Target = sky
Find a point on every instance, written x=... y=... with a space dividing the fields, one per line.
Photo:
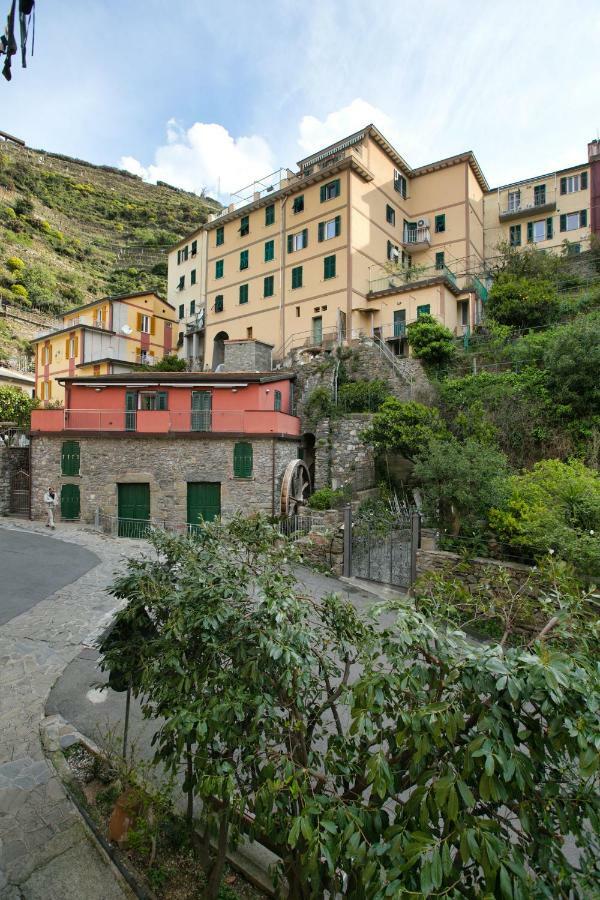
x=212 y=95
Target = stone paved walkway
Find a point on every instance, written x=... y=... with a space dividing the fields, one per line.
x=45 y=853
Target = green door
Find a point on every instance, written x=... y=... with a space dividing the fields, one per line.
x=203 y=501
x=399 y=323
x=201 y=410
x=130 y=410
x=69 y=501
x=317 y=330
x=134 y=509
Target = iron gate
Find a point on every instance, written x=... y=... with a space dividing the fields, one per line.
x=384 y=553
x=18 y=503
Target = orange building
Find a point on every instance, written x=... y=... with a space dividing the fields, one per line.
x=107 y=336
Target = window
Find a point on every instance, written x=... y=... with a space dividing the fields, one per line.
x=330 y=190
x=514 y=235
x=400 y=183
x=329 y=267
x=390 y=214
x=219 y=268
x=298 y=241
x=182 y=254
x=181 y=310
x=194 y=247
x=270 y=214
x=220 y=236
x=269 y=286
x=269 y=250
x=71 y=347
x=277 y=401
x=69 y=458
x=298 y=204
x=539 y=231
x=571 y=183
x=249 y=333
x=440 y=223
x=153 y=400
x=330 y=229
x=297 y=277
x=406 y=259
x=46 y=390
x=192 y=307
x=244 y=226
x=539 y=194
x=244 y=259
x=424 y=310
x=574 y=220
x=145 y=324
x=514 y=201
x=243 y=293
x=393 y=252
x=242 y=460
x=297 y=312
x=193 y=276
x=439 y=260
x=181 y=284
x=219 y=303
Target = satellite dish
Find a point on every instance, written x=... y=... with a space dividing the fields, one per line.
x=126 y=329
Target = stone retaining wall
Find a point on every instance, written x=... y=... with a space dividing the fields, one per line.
x=11 y=460
x=445 y=563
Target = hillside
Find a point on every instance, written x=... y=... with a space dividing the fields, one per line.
x=71 y=231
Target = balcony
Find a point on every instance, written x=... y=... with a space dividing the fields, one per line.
x=529 y=200
x=74 y=322
x=414 y=276
x=164 y=421
x=418 y=238
x=195 y=323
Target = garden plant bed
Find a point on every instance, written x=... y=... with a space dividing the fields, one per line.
x=158 y=852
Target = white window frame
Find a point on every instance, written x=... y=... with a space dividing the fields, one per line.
x=400 y=178
x=298 y=241
x=541 y=223
x=329 y=226
x=514 y=200
x=145 y=324
x=71 y=348
x=576 y=218
x=572 y=184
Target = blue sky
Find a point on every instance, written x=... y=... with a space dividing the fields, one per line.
x=203 y=94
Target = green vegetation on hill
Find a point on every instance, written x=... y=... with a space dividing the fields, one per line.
x=71 y=231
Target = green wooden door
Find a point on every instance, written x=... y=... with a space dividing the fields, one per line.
x=134 y=509
x=69 y=501
x=317 y=330
x=399 y=323
x=203 y=501
x=201 y=410
x=130 y=410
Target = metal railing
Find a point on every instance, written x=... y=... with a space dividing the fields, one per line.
x=419 y=235
x=295 y=527
x=292 y=527
x=329 y=337
x=410 y=276
x=74 y=322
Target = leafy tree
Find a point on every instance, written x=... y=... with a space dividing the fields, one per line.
x=572 y=365
x=41 y=286
x=554 y=508
x=405 y=428
x=362 y=396
x=169 y=363
x=376 y=761
x=16 y=406
x=460 y=482
x=430 y=340
x=522 y=302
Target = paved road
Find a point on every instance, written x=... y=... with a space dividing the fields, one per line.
x=33 y=567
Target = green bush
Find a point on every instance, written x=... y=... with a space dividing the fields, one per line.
x=362 y=396
x=405 y=428
x=15 y=264
x=319 y=405
x=430 y=340
x=19 y=290
x=522 y=302
x=327 y=498
x=16 y=406
x=41 y=285
x=554 y=508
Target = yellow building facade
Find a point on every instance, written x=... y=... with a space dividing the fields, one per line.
x=106 y=336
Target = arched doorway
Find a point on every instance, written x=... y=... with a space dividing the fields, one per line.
x=219 y=349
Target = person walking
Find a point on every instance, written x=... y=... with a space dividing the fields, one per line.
x=50 y=499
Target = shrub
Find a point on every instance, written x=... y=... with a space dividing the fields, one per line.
x=405 y=428
x=554 y=508
x=522 y=302
x=24 y=206
x=319 y=405
x=19 y=290
x=15 y=264
x=572 y=364
x=16 y=406
x=327 y=498
x=362 y=396
x=430 y=340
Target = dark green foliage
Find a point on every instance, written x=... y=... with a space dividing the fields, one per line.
x=430 y=340
x=319 y=405
x=405 y=428
x=572 y=366
x=16 y=406
x=362 y=396
x=522 y=302
x=169 y=363
x=327 y=498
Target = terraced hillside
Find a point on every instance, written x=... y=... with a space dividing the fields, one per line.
x=71 y=231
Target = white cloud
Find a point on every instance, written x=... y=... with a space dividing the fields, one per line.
x=205 y=156
x=316 y=133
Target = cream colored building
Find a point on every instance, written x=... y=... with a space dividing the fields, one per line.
x=355 y=241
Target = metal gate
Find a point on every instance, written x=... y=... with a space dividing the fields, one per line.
x=383 y=553
x=18 y=504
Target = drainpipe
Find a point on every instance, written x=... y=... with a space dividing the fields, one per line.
x=282 y=274
x=273 y=477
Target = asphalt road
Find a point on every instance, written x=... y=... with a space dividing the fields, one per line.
x=34 y=566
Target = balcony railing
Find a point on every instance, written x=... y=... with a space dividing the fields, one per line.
x=415 y=236
x=529 y=201
x=195 y=323
x=410 y=276
x=73 y=322
x=143 y=421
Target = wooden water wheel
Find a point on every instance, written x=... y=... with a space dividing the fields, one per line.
x=295 y=488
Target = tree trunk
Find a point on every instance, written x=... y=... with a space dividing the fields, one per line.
x=190 y=790
x=216 y=872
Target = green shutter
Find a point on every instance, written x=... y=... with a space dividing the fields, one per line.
x=329 y=267
x=549 y=230
x=583 y=218
x=161 y=400
x=583 y=180
x=270 y=215
x=323 y=193
x=268 y=286
x=321 y=231
x=305 y=237
x=243 y=293
x=242 y=460
x=244 y=259
x=297 y=277
x=337 y=189
x=290 y=243
x=424 y=310
x=269 y=251
x=220 y=236
x=69 y=501
x=439 y=260
x=529 y=232
x=219 y=303
x=338 y=225
x=277 y=401
x=181 y=310
x=563 y=221
x=219 y=268
x=192 y=307
x=563 y=185
x=389 y=249
x=70 y=458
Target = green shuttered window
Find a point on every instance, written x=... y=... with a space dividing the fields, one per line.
x=330 y=190
x=242 y=460
x=329 y=267
x=69 y=460
x=270 y=214
x=220 y=236
x=269 y=251
x=269 y=286
x=277 y=401
x=243 y=293
x=297 y=277
x=244 y=225
x=244 y=259
x=219 y=268
x=219 y=303
x=440 y=223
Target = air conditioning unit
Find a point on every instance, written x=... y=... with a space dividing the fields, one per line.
x=423 y=223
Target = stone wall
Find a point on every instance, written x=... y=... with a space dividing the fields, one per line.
x=166 y=464
x=247 y=356
x=27 y=323
x=352 y=461
x=444 y=563
x=12 y=459
x=410 y=381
